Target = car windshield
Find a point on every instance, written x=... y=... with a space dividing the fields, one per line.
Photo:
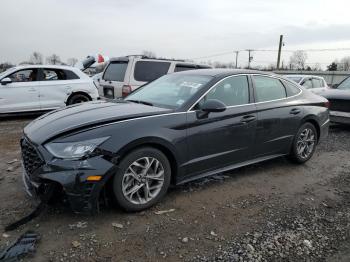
x=169 y=91
x=294 y=78
x=345 y=85
x=7 y=72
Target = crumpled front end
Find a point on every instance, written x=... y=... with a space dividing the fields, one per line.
x=41 y=170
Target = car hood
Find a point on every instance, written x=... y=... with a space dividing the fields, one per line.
x=335 y=94
x=85 y=115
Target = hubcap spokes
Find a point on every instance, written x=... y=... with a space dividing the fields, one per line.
x=143 y=180
x=306 y=142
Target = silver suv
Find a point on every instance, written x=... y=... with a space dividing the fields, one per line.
x=125 y=74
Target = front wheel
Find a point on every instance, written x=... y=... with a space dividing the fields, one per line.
x=142 y=180
x=304 y=144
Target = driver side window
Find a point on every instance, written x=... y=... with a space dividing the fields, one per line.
x=25 y=75
x=231 y=91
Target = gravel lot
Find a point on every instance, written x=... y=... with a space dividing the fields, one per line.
x=272 y=211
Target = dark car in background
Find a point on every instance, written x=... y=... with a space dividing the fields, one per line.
x=339 y=99
x=180 y=127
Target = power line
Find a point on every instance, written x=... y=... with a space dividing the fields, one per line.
x=275 y=50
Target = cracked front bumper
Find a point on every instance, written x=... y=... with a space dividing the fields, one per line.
x=71 y=175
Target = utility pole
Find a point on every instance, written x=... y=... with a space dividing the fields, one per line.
x=250 y=58
x=236 y=58
x=279 y=52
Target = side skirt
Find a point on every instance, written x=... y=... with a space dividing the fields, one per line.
x=230 y=167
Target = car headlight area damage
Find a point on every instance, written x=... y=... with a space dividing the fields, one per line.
x=77 y=169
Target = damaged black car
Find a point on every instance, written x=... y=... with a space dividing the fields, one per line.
x=180 y=127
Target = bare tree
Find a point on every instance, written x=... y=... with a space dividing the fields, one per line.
x=36 y=58
x=298 y=59
x=72 y=61
x=149 y=54
x=344 y=64
x=53 y=60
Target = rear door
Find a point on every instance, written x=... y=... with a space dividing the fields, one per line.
x=144 y=71
x=278 y=116
x=114 y=77
x=222 y=139
x=55 y=86
x=22 y=94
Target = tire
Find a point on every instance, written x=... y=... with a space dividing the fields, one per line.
x=131 y=175
x=78 y=98
x=306 y=138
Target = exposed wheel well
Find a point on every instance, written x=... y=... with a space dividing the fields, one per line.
x=165 y=151
x=78 y=93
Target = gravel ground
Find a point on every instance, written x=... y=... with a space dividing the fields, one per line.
x=272 y=211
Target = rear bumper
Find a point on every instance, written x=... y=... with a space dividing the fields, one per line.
x=339 y=117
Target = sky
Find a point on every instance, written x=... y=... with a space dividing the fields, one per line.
x=183 y=29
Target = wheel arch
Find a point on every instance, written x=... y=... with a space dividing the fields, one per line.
x=77 y=93
x=162 y=145
x=313 y=120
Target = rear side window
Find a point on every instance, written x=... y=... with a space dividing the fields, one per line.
x=58 y=74
x=115 y=71
x=232 y=91
x=268 y=88
x=317 y=83
x=146 y=71
x=291 y=89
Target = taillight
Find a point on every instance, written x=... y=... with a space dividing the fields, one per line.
x=327 y=104
x=126 y=90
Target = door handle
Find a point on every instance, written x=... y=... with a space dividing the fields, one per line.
x=295 y=111
x=247 y=119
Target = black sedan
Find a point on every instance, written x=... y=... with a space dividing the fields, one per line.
x=180 y=127
x=339 y=99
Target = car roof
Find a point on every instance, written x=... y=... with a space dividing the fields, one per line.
x=303 y=76
x=218 y=72
x=46 y=66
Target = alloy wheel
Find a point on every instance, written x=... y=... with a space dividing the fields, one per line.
x=143 y=180
x=306 y=143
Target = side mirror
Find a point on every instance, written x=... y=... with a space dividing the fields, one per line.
x=6 y=81
x=213 y=105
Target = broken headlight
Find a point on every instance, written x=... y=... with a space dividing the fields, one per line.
x=74 y=150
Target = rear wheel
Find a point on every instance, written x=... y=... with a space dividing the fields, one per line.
x=304 y=144
x=142 y=179
x=77 y=99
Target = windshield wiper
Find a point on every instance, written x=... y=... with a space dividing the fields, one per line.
x=141 y=102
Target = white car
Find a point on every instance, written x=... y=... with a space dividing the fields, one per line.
x=313 y=83
x=44 y=87
x=125 y=74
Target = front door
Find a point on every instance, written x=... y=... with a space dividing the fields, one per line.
x=22 y=94
x=221 y=139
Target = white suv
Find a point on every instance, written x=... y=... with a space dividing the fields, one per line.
x=44 y=87
x=125 y=74
x=314 y=83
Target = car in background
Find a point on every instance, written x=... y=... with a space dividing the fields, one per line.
x=34 y=88
x=313 y=83
x=339 y=99
x=180 y=127
x=123 y=75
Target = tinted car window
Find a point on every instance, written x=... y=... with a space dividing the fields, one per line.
x=231 y=91
x=170 y=91
x=291 y=88
x=115 y=71
x=25 y=75
x=317 y=83
x=146 y=71
x=307 y=84
x=179 y=68
x=345 y=84
x=268 y=88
